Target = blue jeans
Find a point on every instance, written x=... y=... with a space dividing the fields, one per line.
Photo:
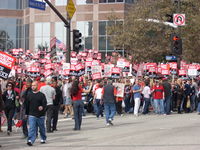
x=34 y=123
x=159 y=106
x=198 y=107
x=167 y=105
x=78 y=107
x=98 y=108
x=110 y=110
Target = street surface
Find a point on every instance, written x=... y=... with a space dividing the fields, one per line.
x=149 y=132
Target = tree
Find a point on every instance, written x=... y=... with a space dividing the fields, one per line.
x=150 y=41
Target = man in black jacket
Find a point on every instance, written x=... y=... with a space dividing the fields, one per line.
x=35 y=108
x=56 y=103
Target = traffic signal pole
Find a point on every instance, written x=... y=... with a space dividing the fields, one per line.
x=68 y=41
x=179 y=32
x=67 y=25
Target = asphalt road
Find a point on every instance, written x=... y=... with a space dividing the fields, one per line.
x=149 y=132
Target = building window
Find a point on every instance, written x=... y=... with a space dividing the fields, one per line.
x=42 y=34
x=11 y=33
x=26 y=26
x=104 y=37
x=111 y=1
x=86 y=29
x=11 y=4
x=60 y=31
x=60 y=2
x=130 y=1
x=84 y=2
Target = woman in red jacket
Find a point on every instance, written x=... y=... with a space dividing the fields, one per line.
x=76 y=93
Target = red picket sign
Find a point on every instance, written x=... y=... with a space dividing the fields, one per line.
x=6 y=60
x=116 y=70
x=173 y=65
x=152 y=69
x=96 y=76
x=182 y=72
x=165 y=72
x=79 y=66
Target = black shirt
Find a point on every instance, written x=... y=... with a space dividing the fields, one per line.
x=167 y=89
x=34 y=100
x=58 y=98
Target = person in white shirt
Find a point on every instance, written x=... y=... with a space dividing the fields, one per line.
x=147 y=94
x=50 y=94
x=98 y=101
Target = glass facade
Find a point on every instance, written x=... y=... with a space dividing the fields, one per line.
x=84 y=2
x=117 y=1
x=11 y=33
x=42 y=34
x=104 y=37
x=60 y=2
x=11 y=4
x=86 y=29
x=60 y=31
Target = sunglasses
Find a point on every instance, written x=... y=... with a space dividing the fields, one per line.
x=9 y=85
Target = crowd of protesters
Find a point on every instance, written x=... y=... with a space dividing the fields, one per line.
x=32 y=101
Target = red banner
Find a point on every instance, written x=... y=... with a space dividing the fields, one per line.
x=96 y=76
x=6 y=60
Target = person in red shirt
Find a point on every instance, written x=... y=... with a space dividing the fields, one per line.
x=76 y=93
x=158 y=97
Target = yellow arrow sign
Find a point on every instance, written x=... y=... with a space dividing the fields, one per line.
x=70 y=8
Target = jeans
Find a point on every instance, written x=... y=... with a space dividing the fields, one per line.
x=159 y=106
x=167 y=105
x=34 y=123
x=193 y=102
x=146 y=105
x=24 y=127
x=98 y=108
x=110 y=110
x=55 y=116
x=50 y=114
x=137 y=105
x=78 y=111
x=9 y=112
x=198 y=107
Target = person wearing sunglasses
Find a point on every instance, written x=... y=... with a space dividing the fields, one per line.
x=9 y=97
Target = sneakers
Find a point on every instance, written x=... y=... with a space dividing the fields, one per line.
x=107 y=124
x=29 y=143
x=8 y=133
x=110 y=121
x=42 y=141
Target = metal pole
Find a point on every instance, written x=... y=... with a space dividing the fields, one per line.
x=179 y=32
x=57 y=13
x=68 y=42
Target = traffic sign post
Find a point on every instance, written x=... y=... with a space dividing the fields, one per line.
x=37 y=5
x=70 y=9
x=179 y=19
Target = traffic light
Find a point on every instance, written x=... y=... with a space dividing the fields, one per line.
x=176 y=44
x=77 y=40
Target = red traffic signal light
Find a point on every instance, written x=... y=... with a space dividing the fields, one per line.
x=175 y=38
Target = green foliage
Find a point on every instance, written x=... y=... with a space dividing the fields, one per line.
x=149 y=41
